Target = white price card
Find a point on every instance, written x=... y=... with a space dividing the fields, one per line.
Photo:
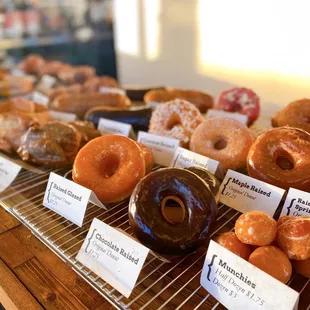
x=62 y=116
x=40 y=98
x=239 y=117
x=297 y=203
x=244 y=193
x=185 y=158
x=47 y=81
x=112 y=90
x=163 y=148
x=107 y=126
x=115 y=257
x=8 y=173
x=237 y=284
x=68 y=198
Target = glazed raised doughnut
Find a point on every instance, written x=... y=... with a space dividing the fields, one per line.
x=148 y=157
x=281 y=157
x=172 y=211
x=175 y=119
x=230 y=241
x=201 y=100
x=110 y=166
x=273 y=261
x=223 y=139
x=283 y=219
x=256 y=228
x=303 y=267
x=241 y=100
x=293 y=238
x=296 y=114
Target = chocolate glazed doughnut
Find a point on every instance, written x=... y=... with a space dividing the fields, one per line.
x=172 y=211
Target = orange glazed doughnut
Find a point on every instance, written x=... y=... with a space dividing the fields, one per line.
x=283 y=219
x=296 y=114
x=293 y=238
x=223 y=139
x=148 y=157
x=175 y=119
x=110 y=166
x=281 y=157
x=256 y=228
x=230 y=241
x=303 y=267
x=273 y=261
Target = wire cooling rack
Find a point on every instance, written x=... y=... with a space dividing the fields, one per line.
x=161 y=285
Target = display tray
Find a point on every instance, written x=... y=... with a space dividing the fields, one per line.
x=161 y=285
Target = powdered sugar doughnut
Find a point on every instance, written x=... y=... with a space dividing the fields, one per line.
x=293 y=238
x=241 y=100
x=256 y=228
x=176 y=119
x=223 y=139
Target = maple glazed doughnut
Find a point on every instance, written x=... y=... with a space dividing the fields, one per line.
x=110 y=166
x=172 y=211
x=280 y=157
x=223 y=139
x=175 y=119
x=296 y=114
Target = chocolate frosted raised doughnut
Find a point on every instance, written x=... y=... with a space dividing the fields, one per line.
x=110 y=166
x=175 y=119
x=223 y=139
x=296 y=114
x=281 y=157
x=172 y=211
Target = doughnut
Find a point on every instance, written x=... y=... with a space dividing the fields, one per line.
x=241 y=100
x=32 y=64
x=273 y=261
x=296 y=114
x=223 y=139
x=283 y=219
x=175 y=119
x=303 y=267
x=201 y=100
x=280 y=157
x=293 y=237
x=230 y=241
x=148 y=157
x=208 y=177
x=256 y=228
x=110 y=166
x=172 y=211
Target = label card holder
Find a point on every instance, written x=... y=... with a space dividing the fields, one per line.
x=8 y=173
x=163 y=148
x=237 y=284
x=107 y=126
x=297 y=203
x=244 y=193
x=68 y=198
x=239 y=117
x=184 y=158
x=115 y=257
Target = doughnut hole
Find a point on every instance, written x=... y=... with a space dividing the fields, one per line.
x=109 y=165
x=284 y=160
x=173 y=210
x=173 y=121
x=220 y=144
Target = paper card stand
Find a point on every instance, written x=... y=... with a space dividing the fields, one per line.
x=107 y=126
x=8 y=173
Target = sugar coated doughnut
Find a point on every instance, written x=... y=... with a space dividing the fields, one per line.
x=293 y=238
x=281 y=157
x=273 y=261
x=303 y=267
x=175 y=119
x=296 y=114
x=148 y=157
x=110 y=166
x=283 y=219
x=241 y=100
x=256 y=228
x=230 y=241
x=172 y=211
x=223 y=139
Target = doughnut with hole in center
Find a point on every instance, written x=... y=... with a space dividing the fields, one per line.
x=280 y=157
x=172 y=211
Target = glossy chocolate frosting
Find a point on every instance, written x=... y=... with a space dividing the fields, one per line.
x=148 y=222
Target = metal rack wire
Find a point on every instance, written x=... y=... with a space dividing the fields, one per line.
x=161 y=285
